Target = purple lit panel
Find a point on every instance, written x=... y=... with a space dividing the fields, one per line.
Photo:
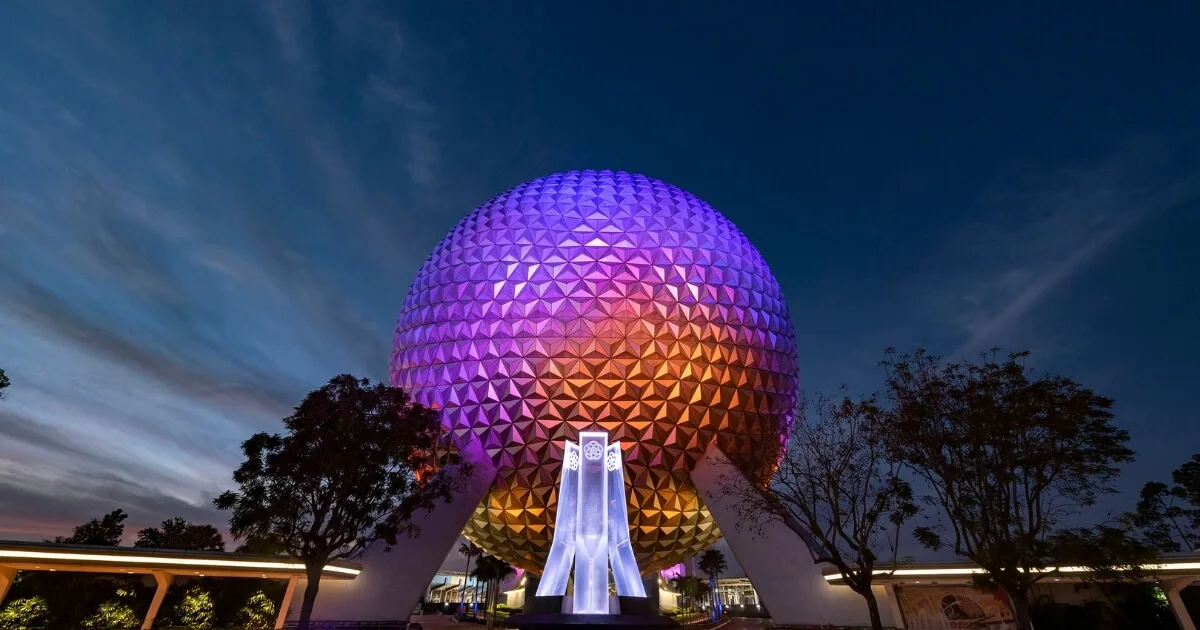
x=595 y=300
x=672 y=572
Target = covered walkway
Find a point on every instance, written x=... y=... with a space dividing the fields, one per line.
x=163 y=564
x=1174 y=574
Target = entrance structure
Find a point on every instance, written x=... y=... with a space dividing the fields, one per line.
x=591 y=528
x=165 y=565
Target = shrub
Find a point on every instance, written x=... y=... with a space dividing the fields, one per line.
x=112 y=614
x=258 y=613
x=195 y=610
x=24 y=613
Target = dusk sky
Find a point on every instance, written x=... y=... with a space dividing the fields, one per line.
x=207 y=209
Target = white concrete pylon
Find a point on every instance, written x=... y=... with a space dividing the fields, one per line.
x=893 y=603
x=778 y=561
x=1174 y=589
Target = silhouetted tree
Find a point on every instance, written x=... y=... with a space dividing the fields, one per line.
x=353 y=467
x=261 y=546
x=104 y=531
x=1113 y=556
x=701 y=588
x=4 y=382
x=74 y=597
x=836 y=487
x=1005 y=455
x=470 y=551
x=177 y=533
x=1169 y=516
x=712 y=562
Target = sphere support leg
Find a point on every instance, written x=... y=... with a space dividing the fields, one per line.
x=391 y=584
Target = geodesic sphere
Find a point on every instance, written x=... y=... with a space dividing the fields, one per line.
x=595 y=300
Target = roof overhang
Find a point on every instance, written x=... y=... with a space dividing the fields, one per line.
x=26 y=556
x=963 y=573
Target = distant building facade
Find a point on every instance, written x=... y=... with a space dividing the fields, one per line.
x=447 y=588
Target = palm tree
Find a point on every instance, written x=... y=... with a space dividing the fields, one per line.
x=503 y=570
x=690 y=588
x=712 y=562
x=701 y=588
x=480 y=573
x=468 y=550
x=493 y=570
x=478 y=594
x=679 y=585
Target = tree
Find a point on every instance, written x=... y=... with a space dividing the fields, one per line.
x=1005 y=455
x=259 y=546
x=258 y=613
x=712 y=562
x=469 y=551
x=492 y=571
x=836 y=486
x=73 y=597
x=690 y=588
x=24 y=613
x=1112 y=555
x=1169 y=516
x=682 y=587
x=177 y=533
x=104 y=531
x=700 y=588
x=344 y=476
x=195 y=610
x=4 y=382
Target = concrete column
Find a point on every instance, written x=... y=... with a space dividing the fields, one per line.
x=893 y=602
x=163 y=579
x=287 y=600
x=1173 y=589
x=7 y=577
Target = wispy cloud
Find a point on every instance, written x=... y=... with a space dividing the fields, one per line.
x=191 y=237
x=1032 y=239
x=423 y=153
x=385 y=91
x=419 y=126
x=290 y=23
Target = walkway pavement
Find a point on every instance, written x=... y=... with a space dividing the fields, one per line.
x=447 y=622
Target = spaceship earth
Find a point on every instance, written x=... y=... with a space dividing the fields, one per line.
x=600 y=300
